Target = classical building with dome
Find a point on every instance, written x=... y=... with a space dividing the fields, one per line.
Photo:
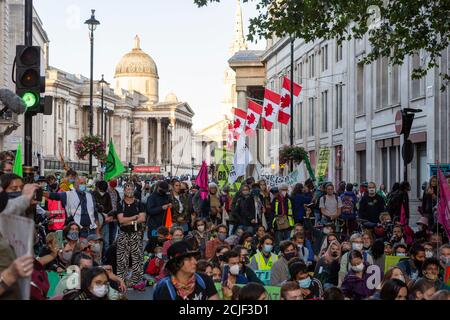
x=155 y=136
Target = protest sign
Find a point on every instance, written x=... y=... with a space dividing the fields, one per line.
x=264 y=276
x=445 y=168
x=391 y=261
x=275 y=181
x=19 y=232
x=322 y=163
x=223 y=171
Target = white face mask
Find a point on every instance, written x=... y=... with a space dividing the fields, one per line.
x=159 y=255
x=372 y=191
x=100 y=291
x=357 y=246
x=234 y=270
x=358 y=268
x=428 y=254
x=284 y=193
x=201 y=228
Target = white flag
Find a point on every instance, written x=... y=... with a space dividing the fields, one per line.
x=242 y=157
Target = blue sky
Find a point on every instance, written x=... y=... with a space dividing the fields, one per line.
x=188 y=44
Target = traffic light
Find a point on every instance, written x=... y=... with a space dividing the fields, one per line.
x=29 y=83
x=130 y=167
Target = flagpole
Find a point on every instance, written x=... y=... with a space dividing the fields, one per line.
x=291 y=164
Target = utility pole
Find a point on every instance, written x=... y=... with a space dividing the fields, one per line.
x=28 y=117
x=291 y=163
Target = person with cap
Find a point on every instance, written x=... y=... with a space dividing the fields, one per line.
x=95 y=247
x=423 y=234
x=131 y=216
x=183 y=282
x=80 y=206
x=283 y=215
x=156 y=208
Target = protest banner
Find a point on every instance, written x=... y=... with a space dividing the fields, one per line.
x=264 y=276
x=322 y=163
x=445 y=168
x=223 y=171
x=273 y=293
x=391 y=261
x=275 y=181
x=19 y=232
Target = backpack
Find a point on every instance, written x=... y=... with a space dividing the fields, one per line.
x=167 y=282
x=348 y=208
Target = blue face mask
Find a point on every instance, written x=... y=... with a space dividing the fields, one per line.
x=13 y=195
x=305 y=283
x=82 y=187
x=268 y=248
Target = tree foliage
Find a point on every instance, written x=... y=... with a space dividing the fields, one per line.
x=403 y=27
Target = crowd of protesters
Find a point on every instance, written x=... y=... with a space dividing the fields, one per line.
x=314 y=242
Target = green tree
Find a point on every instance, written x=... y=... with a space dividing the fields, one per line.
x=395 y=28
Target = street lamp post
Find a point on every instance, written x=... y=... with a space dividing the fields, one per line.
x=192 y=162
x=131 y=141
x=103 y=83
x=92 y=25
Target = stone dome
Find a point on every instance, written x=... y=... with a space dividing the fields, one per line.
x=136 y=63
x=172 y=98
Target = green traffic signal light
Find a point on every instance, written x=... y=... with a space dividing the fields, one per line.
x=30 y=99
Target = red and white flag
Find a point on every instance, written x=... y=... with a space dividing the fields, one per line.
x=240 y=117
x=285 y=107
x=253 y=114
x=271 y=108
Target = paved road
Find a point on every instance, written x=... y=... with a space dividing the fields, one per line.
x=137 y=295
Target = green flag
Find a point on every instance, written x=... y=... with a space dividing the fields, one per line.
x=114 y=166
x=18 y=162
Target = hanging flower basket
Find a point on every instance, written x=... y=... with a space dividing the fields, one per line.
x=91 y=145
x=288 y=153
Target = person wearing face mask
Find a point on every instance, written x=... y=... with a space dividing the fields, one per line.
x=244 y=269
x=430 y=199
x=327 y=268
x=12 y=184
x=280 y=270
x=444 y=259
x=423 y=233
x=95 y=248
x=176 y=235
x=180 y=205
x=80 y=206
x=219 y=240
x=371 y=205
x=357 y=244
x=56 y=212
x=412 y=267
x=156 y=207
x=264 y=258
x=155 y=264
x=303 y=252
x=283 y=216
x=310 y=287
x=430 y=271
x=104 y=206
x=355 y=284
x=94 y=285
x=201 y=234
x=52 y=257
x=131 y=216
x=249 y=209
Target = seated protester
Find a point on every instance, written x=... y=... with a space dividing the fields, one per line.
x=260 y=233
x=400 y=250
x=82 y=261
x=298 y=228
x=238 y=269
x=377 y=251
x=95 y=248
x=394 y=289
x=252 y=292
x=428 y=250
x=333 y=293
x=94 y=285
x=412 y=267
x=423 y=234
x=385 y=227
x=430 y=271
x=318 y=236
x=55 y=259
x=397 y=236
x=177 y=235
x=280 y=269
x=326 y=242
x=327 y=268
x=311 y=288
x=290 y=290
x=388 y=251
x=303 y=252
x=422 y=289
x=357 y=244
x=218 y=259
x=201 y=234
x=392 y=273
x=162 y=234
x=246 y=242
x=155 y=264
x=219 y=240
x=264 y=257
x=39 y=284
x=234 y=239
x=184 y=283
x=355 y=282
